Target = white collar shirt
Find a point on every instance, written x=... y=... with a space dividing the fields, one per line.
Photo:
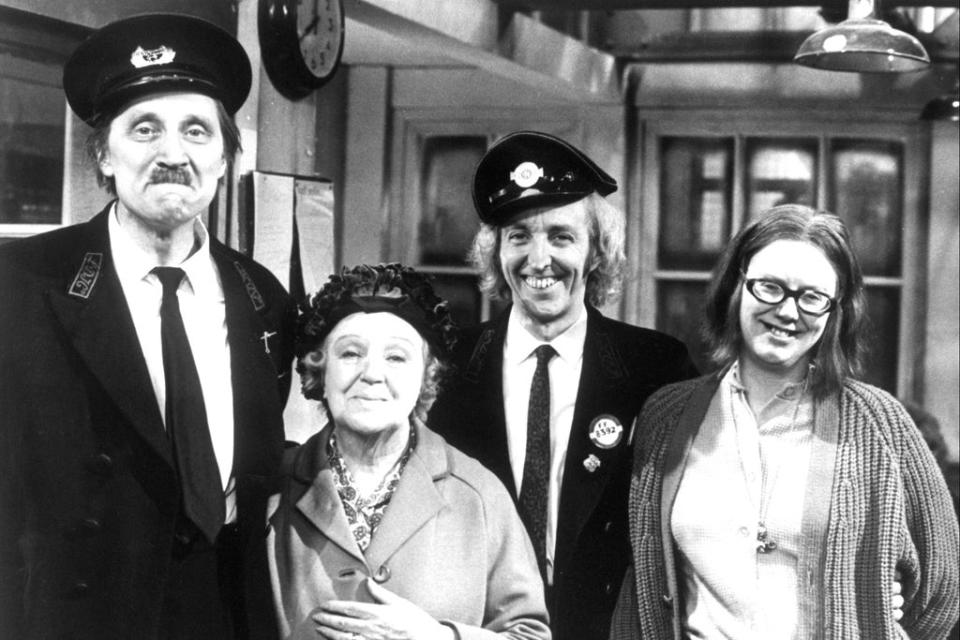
x=743 y=469
x=519 y=364
x=203 y=309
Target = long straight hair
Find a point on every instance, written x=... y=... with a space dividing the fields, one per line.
x=840 y=351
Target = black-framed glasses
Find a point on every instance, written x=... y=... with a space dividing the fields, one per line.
x=810 y=301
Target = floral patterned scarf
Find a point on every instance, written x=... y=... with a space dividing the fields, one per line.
x=364 y=513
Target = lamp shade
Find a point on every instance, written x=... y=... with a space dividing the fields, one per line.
x=863 y=45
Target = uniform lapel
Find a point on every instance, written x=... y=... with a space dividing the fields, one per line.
x=256 y=404
x=91 y=307
x=485 y=371
x=602 y=380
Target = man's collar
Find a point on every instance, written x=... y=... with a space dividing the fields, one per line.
x=520 y=343
x=134 y=264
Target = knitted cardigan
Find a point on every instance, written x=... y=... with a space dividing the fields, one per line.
x=873 y=486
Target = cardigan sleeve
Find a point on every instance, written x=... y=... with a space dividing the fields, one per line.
x=932 y=523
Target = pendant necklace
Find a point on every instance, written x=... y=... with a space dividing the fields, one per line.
x=764 y=544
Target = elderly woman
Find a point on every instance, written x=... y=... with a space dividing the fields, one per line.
x=382 y=530
x=779 y=497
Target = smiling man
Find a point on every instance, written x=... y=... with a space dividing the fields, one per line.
x=545 y=396
x=144 y=366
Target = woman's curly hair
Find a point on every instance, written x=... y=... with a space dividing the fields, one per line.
x=393 y=288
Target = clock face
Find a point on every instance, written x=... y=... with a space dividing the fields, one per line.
x=320 y=32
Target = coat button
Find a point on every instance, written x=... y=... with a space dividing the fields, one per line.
x=667 y=600
x=79 y=589
x=607 y=526
x=608 y=588
x=101 y=464
x=91 y=525
x=382 y=574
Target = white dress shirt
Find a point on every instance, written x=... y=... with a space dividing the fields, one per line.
x=203 y=310
x=519 y=364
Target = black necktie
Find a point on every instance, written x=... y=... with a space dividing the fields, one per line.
x=203 y=502
x=536 y=464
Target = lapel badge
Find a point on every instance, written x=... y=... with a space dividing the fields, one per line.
x=87 y=275
x=591 y=463
x=148 y=57
x=526 y=174
x=606 y=431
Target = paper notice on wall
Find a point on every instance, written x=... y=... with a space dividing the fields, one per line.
x=273 y=223
x=314 y=214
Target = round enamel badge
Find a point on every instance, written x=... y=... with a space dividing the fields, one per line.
x=606 y=431
x=526 y=174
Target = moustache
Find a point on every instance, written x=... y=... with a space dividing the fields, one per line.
x=161 y=175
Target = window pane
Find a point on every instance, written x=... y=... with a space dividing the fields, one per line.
x=680 y=312
x=695 y=196
x=31 y=137
x=780 y=172
x=883 y=309
x=448 y=221
x=867 y=193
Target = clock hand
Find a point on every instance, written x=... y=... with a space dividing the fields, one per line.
x=311 y=27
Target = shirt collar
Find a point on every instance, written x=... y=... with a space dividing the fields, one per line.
x=133 y=264
x=789 y=391
x=520 y=343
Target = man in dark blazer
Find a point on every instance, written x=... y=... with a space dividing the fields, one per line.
x=551 y=244
x=99 y=532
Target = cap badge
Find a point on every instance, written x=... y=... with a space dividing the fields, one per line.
x=591 y=463
x=148 y=57
x=606 y=431
x=526 y=174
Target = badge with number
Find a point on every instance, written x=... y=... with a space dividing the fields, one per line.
x=606 y=431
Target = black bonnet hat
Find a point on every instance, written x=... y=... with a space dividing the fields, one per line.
x=150 y=53
x=390 y=288
x=531 y=169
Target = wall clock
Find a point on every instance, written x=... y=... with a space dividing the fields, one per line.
x=301 y=42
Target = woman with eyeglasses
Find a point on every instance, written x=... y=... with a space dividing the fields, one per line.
x=780 y=497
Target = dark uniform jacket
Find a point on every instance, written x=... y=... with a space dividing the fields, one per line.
x=622 y=365
x=88 y=491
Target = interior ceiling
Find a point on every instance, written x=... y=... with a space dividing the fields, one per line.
x=831 y=6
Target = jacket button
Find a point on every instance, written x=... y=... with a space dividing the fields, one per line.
x=607 y=526
x=608 y=588
x=79 y=589
x=101 y=464
x=667 y=600
x=382 y=574
x=91 y=525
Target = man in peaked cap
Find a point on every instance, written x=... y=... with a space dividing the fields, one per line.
x=144 y=366
x=545 y=396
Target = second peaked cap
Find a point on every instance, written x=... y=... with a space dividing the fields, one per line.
x=528 y=169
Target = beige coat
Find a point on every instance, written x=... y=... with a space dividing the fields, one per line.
x=450 y=542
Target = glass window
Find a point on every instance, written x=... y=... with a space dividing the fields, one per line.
x=679 y=313
x=780 y=171
x=695 y=197
x=32 y=113
x=448 y=221
x=867 y=182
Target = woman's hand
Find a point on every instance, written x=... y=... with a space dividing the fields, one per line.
x=393 y=618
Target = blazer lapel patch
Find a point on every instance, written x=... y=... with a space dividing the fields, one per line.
x=255 y=399
x=94 y=313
